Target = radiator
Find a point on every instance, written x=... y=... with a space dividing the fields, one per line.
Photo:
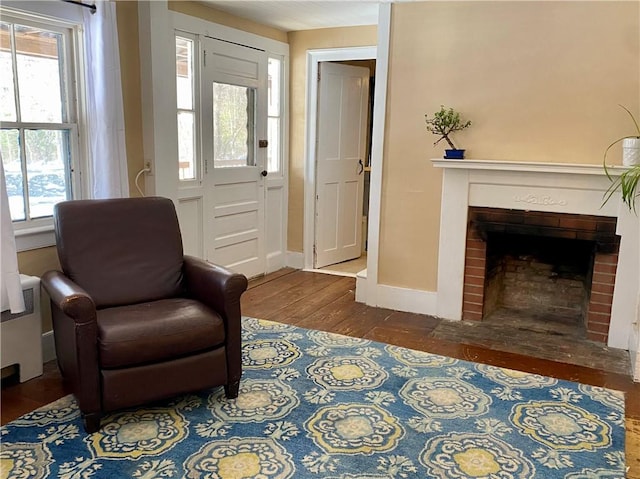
x=21 y=333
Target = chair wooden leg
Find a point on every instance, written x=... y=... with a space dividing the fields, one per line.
x=231 y=390
x=91 y=422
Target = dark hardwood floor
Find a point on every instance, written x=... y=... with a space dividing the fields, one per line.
x=326 y=302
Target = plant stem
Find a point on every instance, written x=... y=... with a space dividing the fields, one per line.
x=453 y=147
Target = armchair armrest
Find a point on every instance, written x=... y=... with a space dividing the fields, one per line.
x=215 y=286
x=70 y=298
x=75 y=329
x=220 y=289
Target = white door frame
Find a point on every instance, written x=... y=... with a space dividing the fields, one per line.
x=314 y=57
x=369 y=283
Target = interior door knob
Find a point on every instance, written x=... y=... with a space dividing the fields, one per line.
x=264 y=172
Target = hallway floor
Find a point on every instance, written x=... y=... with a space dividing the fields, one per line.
x=352 y=267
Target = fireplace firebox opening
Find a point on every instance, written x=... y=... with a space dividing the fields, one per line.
x=546 y=280
x=550 y=272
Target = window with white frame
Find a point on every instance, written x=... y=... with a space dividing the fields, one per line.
x=186 y=99
x=38 y=116
x=234 y=120
x=274 y=111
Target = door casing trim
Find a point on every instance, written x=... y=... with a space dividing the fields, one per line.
x=314 y=58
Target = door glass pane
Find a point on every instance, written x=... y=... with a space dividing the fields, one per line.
x=274 y=87
x=10 y=148
x=184 y=73
x=233 y=125
x=7 y=92
x=47 y=154
x=39 y=74
x=186 y=127
x=273 y=150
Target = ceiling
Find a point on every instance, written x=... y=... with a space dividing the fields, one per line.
x=293 y=15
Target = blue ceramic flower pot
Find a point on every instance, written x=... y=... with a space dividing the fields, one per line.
x=454 y=154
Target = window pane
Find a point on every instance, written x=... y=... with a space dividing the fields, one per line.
x=39 y=72
x=233 y=125
x=10 y=148
x=274 y=87
x=47 y=154
x=273 y=150
x=7 y=92
x=184 y=73
x=186 y=157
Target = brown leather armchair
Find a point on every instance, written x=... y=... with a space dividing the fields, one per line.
x=133 y=319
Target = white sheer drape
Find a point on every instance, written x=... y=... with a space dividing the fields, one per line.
x=104 y=98
x=11 y=297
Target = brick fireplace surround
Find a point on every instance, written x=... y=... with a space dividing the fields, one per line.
x=597 y=229
x=542 y=188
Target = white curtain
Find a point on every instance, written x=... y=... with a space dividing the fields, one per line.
x=12 y=297
x=104 y=98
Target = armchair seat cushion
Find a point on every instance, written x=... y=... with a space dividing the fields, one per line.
x=156 y=331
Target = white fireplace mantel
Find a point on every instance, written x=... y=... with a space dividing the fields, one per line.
x=495 y=165
x=550 y=187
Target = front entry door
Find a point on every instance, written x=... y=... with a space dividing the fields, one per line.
x=234 y=121
x=342 y=132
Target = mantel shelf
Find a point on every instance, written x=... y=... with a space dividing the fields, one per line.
x=519 y=166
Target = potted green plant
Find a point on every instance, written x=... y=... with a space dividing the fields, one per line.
x=627 y=181
x=630 y=144
x=443 y=123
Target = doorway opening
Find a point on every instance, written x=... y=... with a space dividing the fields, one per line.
x=357 y=261
x=312 y=139
x=316 y=224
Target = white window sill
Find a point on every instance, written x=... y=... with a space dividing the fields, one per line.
x=34 y=238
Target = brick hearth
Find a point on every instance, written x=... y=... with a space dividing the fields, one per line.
x=599 y=229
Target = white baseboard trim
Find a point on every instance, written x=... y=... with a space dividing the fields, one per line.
x=275 y=261
x=361 y=286
x=295 y=260
x=48 y=347
x=634 y=351
x=399 y=299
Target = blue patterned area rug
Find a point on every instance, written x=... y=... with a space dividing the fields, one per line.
x=319 y=405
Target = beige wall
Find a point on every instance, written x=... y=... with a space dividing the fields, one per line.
x=299 y=43
x=540 y=80
x=200 y=10
x=35 y=263
x=127 y=17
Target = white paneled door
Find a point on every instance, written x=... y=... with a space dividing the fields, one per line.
x=234 y=132
x=341 y=149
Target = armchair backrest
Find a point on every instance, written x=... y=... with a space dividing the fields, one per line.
x=121 y=251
